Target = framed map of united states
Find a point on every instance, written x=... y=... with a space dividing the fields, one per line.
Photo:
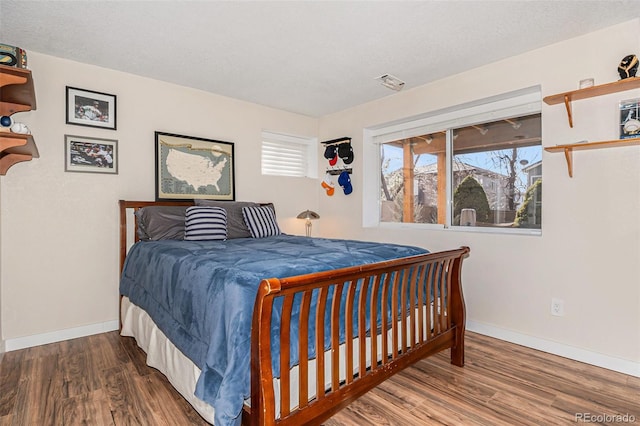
x=188 y=167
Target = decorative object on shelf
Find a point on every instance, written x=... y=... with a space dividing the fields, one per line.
x=90 y=155
x=20 y=128
x=628 y=66
x=189 y=167
x=328 y=185
x=89 y=108
x=5 y=123
x=629 y=125
x=309 y=216
x=12 y=56
x=344 y=180
x=587 y=82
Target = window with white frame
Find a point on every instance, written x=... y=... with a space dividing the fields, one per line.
x=476 y=165
x=286 y=155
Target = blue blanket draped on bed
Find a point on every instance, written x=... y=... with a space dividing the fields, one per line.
x=201 y=295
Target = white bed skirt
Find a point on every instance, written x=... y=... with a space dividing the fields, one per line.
x=183 y=374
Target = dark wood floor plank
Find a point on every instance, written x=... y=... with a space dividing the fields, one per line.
x=104 y=380
x=10 y=375
x=41 y=386
x=107 y=350
x=137 y=357
x=166 y=409
x=125 y=401
x=91 y=408
x=80 y=373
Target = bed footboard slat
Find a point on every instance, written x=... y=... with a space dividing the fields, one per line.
x=362 y=330
x=303 y=345
x=351 y=294
x=285 y=352
x=320 y=313
x=335 y=337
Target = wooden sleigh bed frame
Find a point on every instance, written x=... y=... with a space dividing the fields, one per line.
x=321 y=385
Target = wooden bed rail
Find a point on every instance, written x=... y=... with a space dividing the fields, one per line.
x=427 y=315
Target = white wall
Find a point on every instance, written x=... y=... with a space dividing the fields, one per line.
x=589 y=251
x=59 y=231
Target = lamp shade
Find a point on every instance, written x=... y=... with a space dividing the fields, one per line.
x=308 y=214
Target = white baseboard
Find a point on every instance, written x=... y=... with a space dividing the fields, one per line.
x=600 y=360
x=594 y=358
x=60 y=335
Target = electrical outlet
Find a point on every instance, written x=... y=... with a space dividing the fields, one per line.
x=557 y=307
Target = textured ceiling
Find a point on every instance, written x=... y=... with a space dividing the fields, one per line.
x=312 y=57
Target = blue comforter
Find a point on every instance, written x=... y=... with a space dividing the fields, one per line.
x=201 y=295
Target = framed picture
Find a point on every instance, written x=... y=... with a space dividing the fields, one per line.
x=629 y=119
x=93 y=109
x=90 y=155
x=188 y=167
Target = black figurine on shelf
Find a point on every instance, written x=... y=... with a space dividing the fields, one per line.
x=628 y=66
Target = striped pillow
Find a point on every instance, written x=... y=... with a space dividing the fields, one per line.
x=205 y=223
x=261 y=221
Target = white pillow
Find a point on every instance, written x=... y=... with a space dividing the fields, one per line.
x=205 y=223
x=261 y=221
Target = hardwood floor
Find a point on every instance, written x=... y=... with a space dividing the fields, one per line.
x=103 y=380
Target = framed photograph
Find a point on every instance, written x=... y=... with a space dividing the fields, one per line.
x=90 y=155
x=93 y=109
x=188 y=167
x=629 y=119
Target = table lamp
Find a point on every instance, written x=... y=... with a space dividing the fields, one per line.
x=308 y=215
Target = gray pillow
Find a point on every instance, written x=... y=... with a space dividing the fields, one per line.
x=161 y=222
x=236 y=228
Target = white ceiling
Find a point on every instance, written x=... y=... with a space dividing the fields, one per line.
x=313 y=57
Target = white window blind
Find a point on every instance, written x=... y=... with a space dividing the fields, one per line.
x=285 y=155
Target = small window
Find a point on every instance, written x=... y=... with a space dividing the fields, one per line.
x=285 y=155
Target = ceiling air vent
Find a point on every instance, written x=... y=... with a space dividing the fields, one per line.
x=392 y=82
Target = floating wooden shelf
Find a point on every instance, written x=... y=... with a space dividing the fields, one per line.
x=16 y=95
x=569 y=148
x=15 y=148
x=16 y=90
x=590 y=92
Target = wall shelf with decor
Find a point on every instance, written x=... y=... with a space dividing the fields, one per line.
x=590 y=92
x=569 y=148
x=17 y=94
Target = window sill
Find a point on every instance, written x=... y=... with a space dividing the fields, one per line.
x=473 y=229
